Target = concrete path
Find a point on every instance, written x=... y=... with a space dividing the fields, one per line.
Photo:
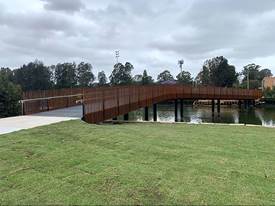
x=12 y=124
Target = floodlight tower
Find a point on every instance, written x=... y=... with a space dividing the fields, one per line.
x=117 y=56
x=181 y=63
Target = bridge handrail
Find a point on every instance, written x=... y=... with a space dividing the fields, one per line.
x=48 y=98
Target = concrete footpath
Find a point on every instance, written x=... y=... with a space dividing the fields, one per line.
x=12 y=124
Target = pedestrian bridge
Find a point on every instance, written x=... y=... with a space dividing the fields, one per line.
x=104 y=103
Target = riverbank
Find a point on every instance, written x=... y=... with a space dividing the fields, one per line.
x=77 y=163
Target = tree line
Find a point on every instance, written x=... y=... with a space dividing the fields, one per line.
x=37 y=76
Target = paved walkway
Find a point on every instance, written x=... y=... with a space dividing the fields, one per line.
x=12 y=124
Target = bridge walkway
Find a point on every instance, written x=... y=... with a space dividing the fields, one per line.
x=12 y=124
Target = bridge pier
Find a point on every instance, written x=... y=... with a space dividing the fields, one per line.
x=146 y=114
x=155 y=112
x=126 y=117
x=181 y=110
x=176 y=111
x=213 y=107
x=240 y=104
x=219 y=106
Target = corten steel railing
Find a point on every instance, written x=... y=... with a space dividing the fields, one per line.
x=101 y=104
x=41 y=101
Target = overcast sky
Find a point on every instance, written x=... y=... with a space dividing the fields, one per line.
x=151 y=34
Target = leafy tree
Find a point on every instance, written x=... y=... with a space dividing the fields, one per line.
x=121 y=74
x=269 y=93
x=7 y=73
x=265 y=73
x=185 y=77
x=10 y=94
x=137 y=79
x=146 y=79
x=33 y=76
x=203 y=77
x=256 y=75
x=165 y=76
x=85 y=77
x=218 y=72
x=65 y=75
x=102 y=79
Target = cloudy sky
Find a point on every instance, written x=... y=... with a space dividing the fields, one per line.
x=151 y=34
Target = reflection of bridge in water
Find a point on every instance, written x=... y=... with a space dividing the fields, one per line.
x=100 y=104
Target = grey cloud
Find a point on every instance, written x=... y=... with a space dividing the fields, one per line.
x=151 y=34
x=63 y=5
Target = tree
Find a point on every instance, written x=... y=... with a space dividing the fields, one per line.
x=185 y=78
x=137 y=79
x=264 y=73
x=102 y=79
x=10 y=94
x=7 y=73
x=217 y=72
x=203 y=77
x=146 y=79
x=65 y=75
x=121 y=74
x=85 y=77
x=165 y=76
x=255 y=75
x=33 y=76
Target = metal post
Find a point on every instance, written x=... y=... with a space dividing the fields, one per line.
x=219 y=106
x=181 y=110
x=146 y=114
x=83 y=110
x=213 y=106
x=155 y=111
x=126 y=117
x=176 y=110
x=240 y=104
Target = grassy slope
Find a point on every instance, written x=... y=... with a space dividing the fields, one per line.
x=77 y=163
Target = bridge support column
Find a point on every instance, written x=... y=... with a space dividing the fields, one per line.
x=126 y=117
x=176 y=110
x=253 y=103
x=146 y=114
x=181 y=110
x=155 y=112
x=213 y=107
x=219 y=106
x=246 y=104
x=240 y=104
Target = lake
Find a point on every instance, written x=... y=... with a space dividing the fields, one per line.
x=264 y=115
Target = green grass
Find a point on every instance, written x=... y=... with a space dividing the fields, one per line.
x=78 y=163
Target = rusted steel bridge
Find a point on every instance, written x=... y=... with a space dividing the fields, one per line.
x=100 y=104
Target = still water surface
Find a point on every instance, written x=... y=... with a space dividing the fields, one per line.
x=203 y=114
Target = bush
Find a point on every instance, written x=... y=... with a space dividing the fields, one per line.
x=10 y=94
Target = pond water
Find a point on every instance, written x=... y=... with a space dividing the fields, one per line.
x=203 y=114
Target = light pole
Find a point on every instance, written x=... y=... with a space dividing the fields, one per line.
x=117 y=56
x=248 y=86
x=181 y=62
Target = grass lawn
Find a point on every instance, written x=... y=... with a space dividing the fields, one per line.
x=77 y=163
